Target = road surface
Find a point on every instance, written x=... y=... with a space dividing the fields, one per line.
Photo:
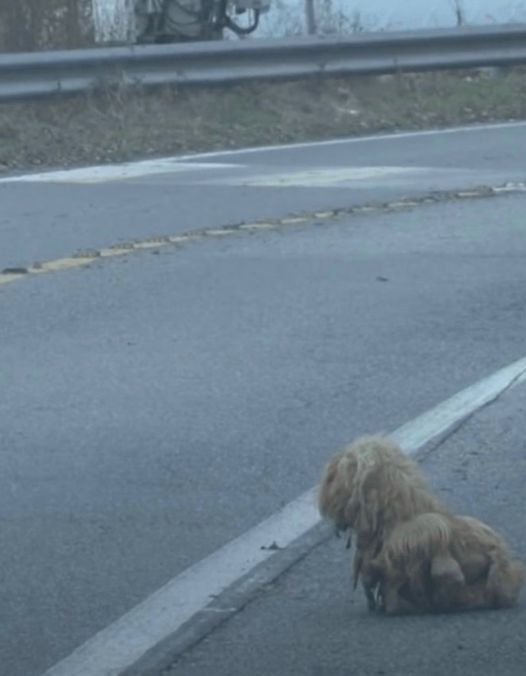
x=158 y=404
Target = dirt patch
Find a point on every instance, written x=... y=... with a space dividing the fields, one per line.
x=118 y=124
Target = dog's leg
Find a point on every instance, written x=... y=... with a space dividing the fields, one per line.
x=505 y=579
x=446 y=567
x=370 y=575
x=394 y=603
x=356 y=568
x=368 y=583
x=370 y=593
x=447 y=583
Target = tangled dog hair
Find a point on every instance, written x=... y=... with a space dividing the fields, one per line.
x=412 y=554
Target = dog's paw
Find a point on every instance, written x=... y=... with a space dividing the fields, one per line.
x=446 y=568
x=380 y=600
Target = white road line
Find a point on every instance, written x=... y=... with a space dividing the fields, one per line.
x=146 y=167
x=117 y=172
x=327 y=177
x=121 y=644
x=395 y=136
x=438 y=420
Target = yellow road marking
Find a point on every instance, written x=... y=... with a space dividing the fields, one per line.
x=258 y=226
x=85 y=258
x=7 y=277
x=294 y=219
x=68 y=263
x=220 y=232
x=115 y=251
x=148 y=245
x=177 y=239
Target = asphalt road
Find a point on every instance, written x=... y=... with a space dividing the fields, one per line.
x=55 y=219
x=157 y=405
x=310 y=623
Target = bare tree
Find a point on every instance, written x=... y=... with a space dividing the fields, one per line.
x=310 y=17
x=331 y=19
x=460 y=14
x=114 y=21
x=28 y=25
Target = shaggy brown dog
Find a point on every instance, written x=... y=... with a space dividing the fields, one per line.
x=412 y=553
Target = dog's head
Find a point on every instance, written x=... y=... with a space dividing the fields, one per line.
x=348 y=493
x=370 y=484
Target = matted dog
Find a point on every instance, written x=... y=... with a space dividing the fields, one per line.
x=412 y=554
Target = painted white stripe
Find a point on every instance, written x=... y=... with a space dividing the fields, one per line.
x=125 y=641
x=142 y=167
x=325 y=177
x=355 y=139
x=117 y=172
x=438 y=420
x=121 y=644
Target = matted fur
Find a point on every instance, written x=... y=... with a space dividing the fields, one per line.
x=412 y=554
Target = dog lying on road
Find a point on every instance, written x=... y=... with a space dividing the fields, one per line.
x=412 y=554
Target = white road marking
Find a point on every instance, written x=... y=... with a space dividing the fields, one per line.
x=169 y=164
x=395 y=136
x=117 y=172
x=121 y=644
x=438 y=420
x=323 y=177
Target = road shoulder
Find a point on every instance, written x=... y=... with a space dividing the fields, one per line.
x=309 y=622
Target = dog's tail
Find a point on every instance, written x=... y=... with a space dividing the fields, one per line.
x=506 y=575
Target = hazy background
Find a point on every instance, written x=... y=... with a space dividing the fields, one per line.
x=396 y=15
x=287 y=17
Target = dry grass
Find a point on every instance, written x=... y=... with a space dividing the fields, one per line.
x=116 y=124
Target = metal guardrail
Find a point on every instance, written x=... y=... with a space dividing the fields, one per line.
x=49 y=73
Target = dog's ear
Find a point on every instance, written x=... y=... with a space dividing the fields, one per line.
x=371 y=507
x=331 y=470
x=348 y=471
x=329 y=476
x=335 y=493
x=363 y=509
x=361 y=514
